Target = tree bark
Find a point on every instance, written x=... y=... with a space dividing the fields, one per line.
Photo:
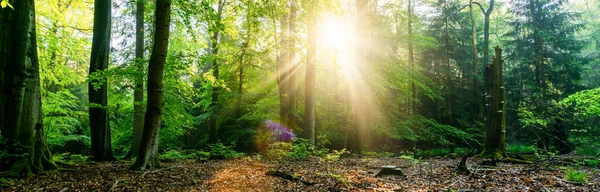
x=97 y=88
x=138 y=93
x=495 y=137
x=478 y=108
x=411 y=57
x=21 y=125
x=146 y=158
x=214 y=105
x=293 y=63
x=282 y=77
x=311 y=69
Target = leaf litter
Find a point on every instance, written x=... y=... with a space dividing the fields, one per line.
x=347 y=174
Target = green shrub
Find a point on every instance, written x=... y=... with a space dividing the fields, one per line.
x=278 y=150
x=221 y=151
x=592 y=162
x=68 y=158
x=301 y=149
x=521 y=149
x=576 y=176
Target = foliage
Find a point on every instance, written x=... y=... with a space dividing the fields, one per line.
x=521 y=149
x=576 y=176
x=68 y=158
x=221 y=151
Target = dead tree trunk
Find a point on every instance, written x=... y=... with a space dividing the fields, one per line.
x=495 y=141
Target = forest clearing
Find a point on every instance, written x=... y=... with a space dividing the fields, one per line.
x=299 y=95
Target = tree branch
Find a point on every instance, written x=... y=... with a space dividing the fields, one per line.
x=480 y=7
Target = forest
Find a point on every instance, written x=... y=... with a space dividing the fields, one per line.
x=299 y=95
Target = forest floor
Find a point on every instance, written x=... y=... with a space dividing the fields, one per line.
x=345 y=174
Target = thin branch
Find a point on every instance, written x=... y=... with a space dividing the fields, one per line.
x=480 y=7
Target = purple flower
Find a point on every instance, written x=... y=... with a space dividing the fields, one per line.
x=279 y=132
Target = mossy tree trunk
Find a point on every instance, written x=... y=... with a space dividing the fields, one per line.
x=97 y=87
x=495 y=135
x=147 y=156
x=21 y=125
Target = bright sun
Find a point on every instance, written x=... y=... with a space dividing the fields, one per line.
x=337 y=37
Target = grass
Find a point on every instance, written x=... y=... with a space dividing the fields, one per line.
x=521 y=149
x=576 y=176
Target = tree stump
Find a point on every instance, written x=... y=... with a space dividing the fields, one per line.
x=389 y=170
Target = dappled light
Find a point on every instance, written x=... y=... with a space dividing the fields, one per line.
x=290 y=95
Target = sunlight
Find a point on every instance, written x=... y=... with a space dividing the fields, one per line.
x=337 y=37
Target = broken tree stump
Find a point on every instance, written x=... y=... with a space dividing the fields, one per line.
x=389 y=170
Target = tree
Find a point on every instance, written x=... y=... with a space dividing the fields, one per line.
x=282 y=69
x=21 y=127
x=138 y=93
x=477 y=110
x=147 y=156
x=546 y=67
x=214 y=46
x=495 y=136
x=97 y=86
x=311 y=70
x=292 y=66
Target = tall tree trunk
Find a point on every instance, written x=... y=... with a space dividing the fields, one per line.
x=540 y=72
x=282 y=68
x=138 y=93
x=98 y=92
x=293 y=63
x=478 y=108
x=449 y=72
x=486 y=32
x=242 y=55
x=411 y=56
x=21 y=125
x=146 y=158
x=495 y=136
x=214 y=105
x=362 y=47
x=311 y=69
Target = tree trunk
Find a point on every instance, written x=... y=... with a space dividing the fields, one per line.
x=292 y=63
x=147 y=156
x=311 y=69
x=495 y=136
x=214 y=105
x=411 y=57
x=477 y=110
x=486 y=32
x=282 y=67
x=21 y=125
x=98 y=92
x=138 y=93
x=362 y=47
x=238 y=105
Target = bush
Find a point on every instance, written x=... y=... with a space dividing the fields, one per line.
x=521 y=149
x=68 y=158
x=220 y=151
x=576 y=176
